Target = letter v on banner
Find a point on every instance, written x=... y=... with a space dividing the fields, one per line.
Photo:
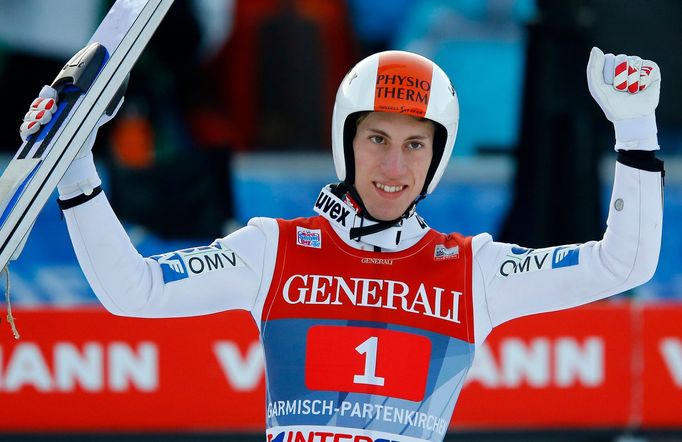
x=87 y=85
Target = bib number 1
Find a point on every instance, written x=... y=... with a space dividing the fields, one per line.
x=369 y=349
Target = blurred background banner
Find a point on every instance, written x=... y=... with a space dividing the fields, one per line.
x=228 y=117
x=132 y=374
x=600 y=366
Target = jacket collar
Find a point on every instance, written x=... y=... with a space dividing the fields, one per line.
x=343 y=215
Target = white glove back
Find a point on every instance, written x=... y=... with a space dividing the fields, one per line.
x=627 y=89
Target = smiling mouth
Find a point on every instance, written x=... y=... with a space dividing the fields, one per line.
x=389 y=189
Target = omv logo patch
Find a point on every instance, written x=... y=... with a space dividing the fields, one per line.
x=522 y=260
x=187 y=263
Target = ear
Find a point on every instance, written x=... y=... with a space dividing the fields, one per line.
x=349 y=131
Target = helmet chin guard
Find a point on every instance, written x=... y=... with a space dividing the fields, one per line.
x=398 y=82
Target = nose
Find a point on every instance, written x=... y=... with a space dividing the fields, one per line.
x=393 y=164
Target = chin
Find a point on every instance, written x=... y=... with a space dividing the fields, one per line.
x=387 y=215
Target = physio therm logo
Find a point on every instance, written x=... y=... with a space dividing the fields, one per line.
x=195 y=261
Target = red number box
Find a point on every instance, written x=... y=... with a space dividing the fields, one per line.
x=367 y=360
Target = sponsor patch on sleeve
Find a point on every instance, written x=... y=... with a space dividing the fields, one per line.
x=521 y=260
x=196 y=261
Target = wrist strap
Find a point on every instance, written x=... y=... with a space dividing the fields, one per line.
x=78 y=200
x=641 y=159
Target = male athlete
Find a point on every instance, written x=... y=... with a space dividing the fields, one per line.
x=370 y=319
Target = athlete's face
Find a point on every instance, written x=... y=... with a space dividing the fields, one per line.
x=392 y=157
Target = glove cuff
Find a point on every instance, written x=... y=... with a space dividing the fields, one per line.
x=636 y=133
x=80 y=178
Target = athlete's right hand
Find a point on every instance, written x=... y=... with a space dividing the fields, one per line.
x=43 y=108
x=39 y=113
x=81 y=176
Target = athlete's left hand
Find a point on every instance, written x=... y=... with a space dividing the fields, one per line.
x=627 y=90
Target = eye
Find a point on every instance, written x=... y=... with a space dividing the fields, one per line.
x=415 y=145
x=376 y=139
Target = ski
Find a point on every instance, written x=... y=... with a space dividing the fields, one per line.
x=89 y=83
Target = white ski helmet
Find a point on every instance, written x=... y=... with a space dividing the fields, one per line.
x=400 y=82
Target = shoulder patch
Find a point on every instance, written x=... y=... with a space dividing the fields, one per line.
x=442 y=253
x=309 y=237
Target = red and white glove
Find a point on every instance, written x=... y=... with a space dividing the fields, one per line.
x=627 y=90
x=39 y=113
x=80 y=177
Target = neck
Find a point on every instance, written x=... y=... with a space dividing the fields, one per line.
x=336 y=204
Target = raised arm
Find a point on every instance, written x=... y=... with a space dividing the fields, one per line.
x=520 y=281
x=221 y=276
